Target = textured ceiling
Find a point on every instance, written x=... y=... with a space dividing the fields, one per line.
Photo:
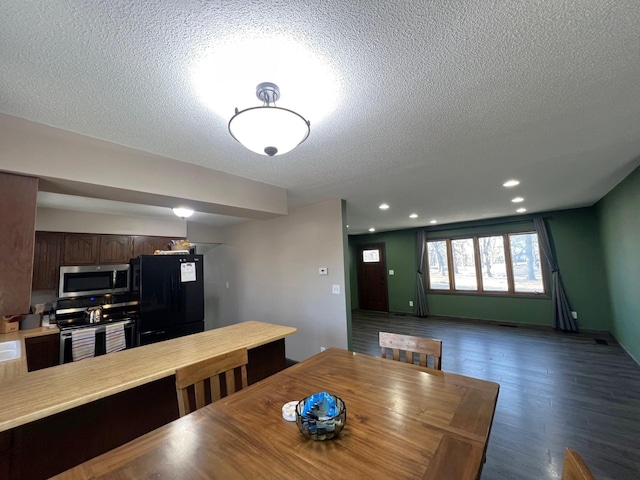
x=428 y=106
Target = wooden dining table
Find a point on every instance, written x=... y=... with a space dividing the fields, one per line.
x=403 y=421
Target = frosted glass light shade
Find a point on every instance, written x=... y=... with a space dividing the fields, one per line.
x=183 y=212
x=269 y=130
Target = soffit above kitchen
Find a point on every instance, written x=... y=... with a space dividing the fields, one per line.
x=426 y=106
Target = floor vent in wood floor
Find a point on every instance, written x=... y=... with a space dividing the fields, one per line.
x=601 y=341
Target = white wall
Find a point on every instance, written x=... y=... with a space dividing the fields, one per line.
x=58 y=220
x=67 y=162
x=272 y=270
x=199 y=233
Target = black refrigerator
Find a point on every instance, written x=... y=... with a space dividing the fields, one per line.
x=170 y=291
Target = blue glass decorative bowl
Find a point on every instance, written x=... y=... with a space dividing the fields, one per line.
x=321 y=416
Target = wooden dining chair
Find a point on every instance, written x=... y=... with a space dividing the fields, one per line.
x=421 y=346
x=574 y=468
x=209 y=380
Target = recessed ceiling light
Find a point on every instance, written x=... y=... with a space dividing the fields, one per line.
x=384 y=206
x=521 y=210
x=517 y=200
x=372 y=229
x=347 y=226
x=413 y=215
x=433 y=221
x=511 y=183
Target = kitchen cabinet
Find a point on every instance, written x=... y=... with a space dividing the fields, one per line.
x=145 y=245
x=6 y=440
x=46 y=260
x=56 y=411
x=18 y=214
x=42 y=351
x=114 y=249
x=80 y=249
x=53 y=249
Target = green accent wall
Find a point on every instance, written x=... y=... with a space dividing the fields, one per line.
x=576 y=238
x=620 y=232
x=400 y=251
x=578 y=245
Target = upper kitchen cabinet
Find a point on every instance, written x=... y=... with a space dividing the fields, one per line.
x=80 y=249
x=18 y=214
x=53 y=249
x=46 y=260
x=143 y=245
x=115 y=249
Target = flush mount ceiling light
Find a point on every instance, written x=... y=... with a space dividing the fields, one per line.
x=183 y=212
x=384 y=206
x=517 y=200
x=269 y=130
x=413 y=215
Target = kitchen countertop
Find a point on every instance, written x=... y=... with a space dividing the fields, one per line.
x=42 y=393
x=11 y=369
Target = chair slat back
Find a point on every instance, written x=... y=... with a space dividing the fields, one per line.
x=574 y=467
x=205 y=377
x=421 y=346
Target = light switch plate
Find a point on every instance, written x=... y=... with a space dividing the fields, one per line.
x=392 y=272
x=323 y=271
x=335 y=289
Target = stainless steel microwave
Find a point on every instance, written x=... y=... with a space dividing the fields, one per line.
x=84 y=280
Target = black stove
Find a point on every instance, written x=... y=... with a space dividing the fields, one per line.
x=71 y=315
x=71 y=312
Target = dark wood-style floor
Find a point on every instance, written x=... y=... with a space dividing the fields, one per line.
x=556 y=390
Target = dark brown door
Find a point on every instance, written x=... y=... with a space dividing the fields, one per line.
x=372 y=278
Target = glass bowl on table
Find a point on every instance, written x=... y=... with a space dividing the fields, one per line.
x=321 y=416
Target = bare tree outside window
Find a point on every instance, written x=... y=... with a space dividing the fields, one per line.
x=464 y=263
x=494 y=267
x=507 y=263
x=438 y=266
x=525 y=261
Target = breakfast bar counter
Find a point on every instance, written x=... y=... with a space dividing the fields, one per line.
x=112 y=398
x=46 y=392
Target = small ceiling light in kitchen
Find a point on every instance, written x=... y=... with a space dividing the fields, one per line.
x=372 y=229
x=521 y=210
x=384 y=206
x=269 y=130
x=183 y=212
x=413 y=215
x=517 y=200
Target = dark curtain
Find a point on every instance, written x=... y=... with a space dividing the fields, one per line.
x=420 y=309
x=562 y=318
